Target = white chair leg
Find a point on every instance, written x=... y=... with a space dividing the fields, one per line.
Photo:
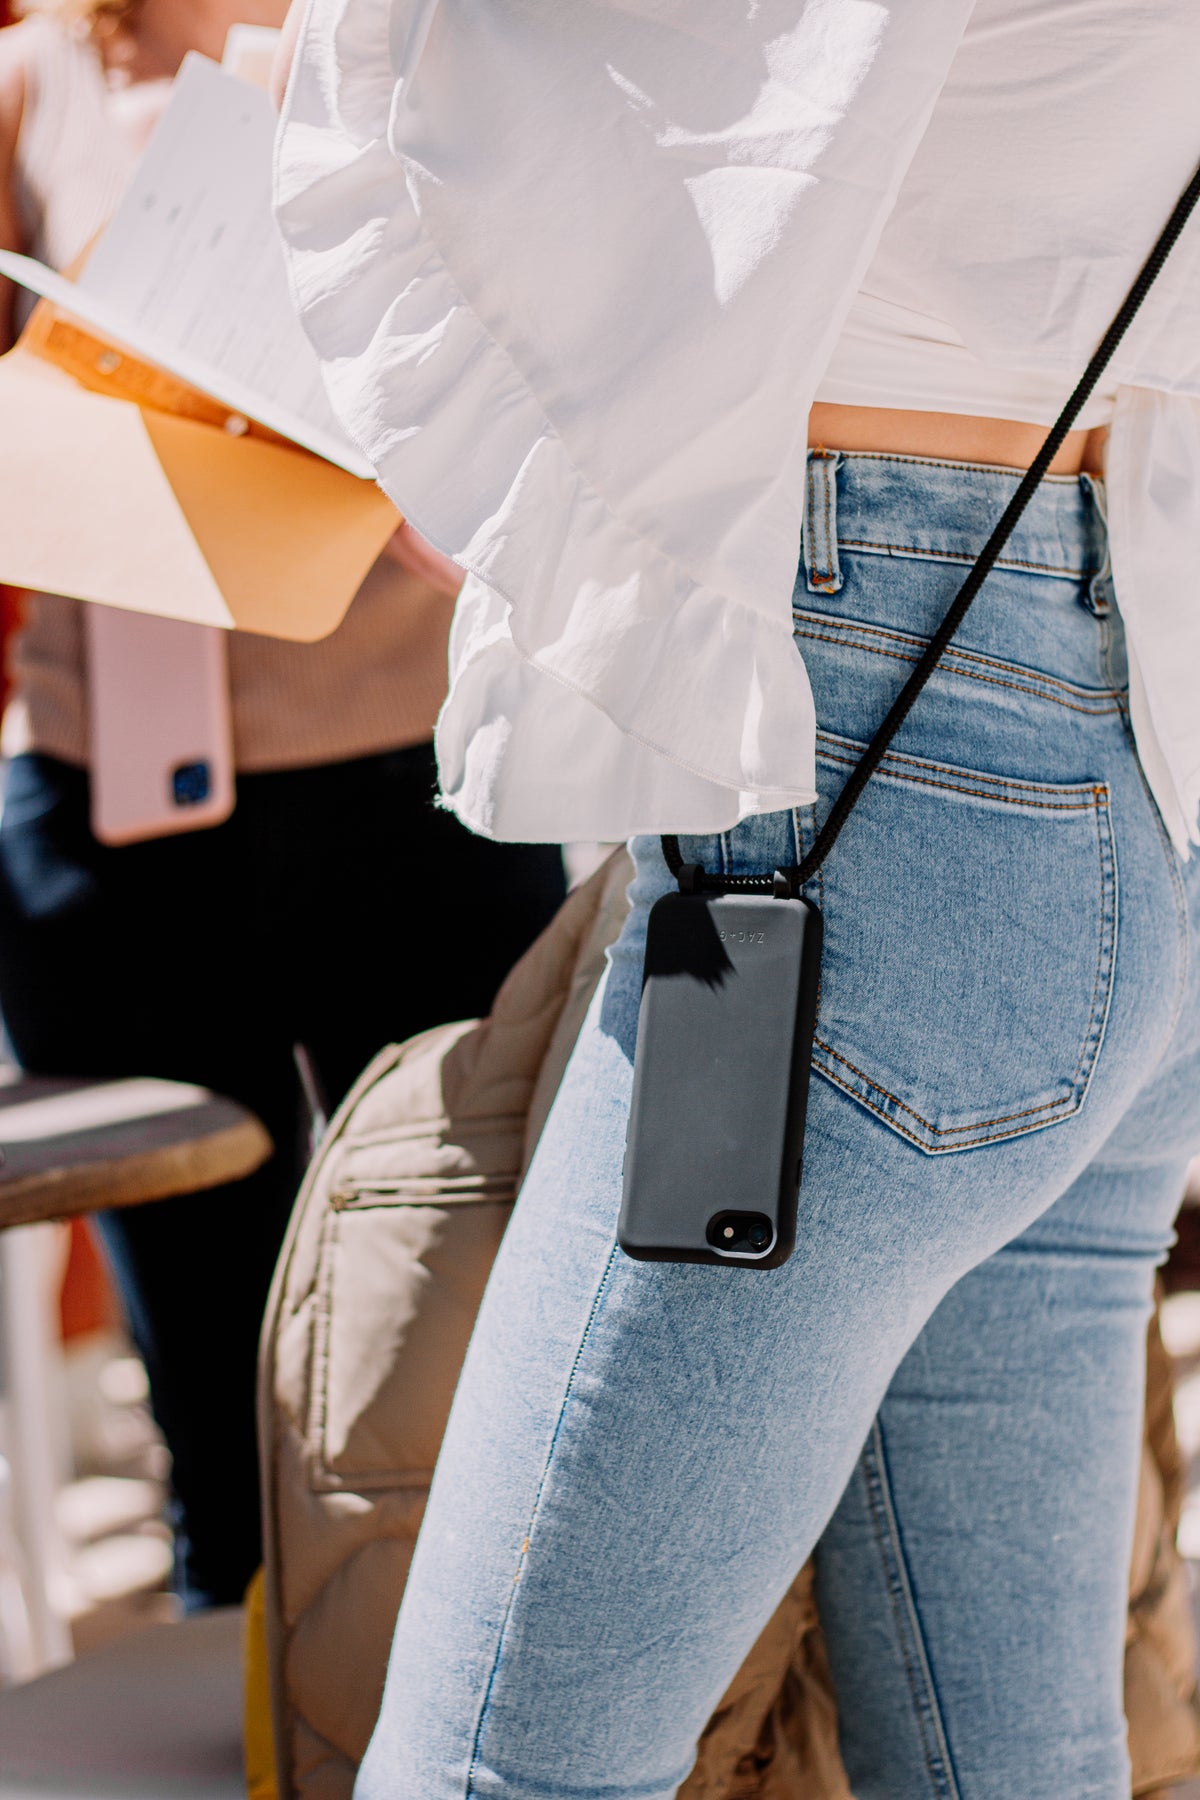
x=17 y=1659
x=33 y=1439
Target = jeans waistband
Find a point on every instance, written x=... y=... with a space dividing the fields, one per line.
x=892 y=505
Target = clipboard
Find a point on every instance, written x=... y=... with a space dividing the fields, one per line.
x=142 y=472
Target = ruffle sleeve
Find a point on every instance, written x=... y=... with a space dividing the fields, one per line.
x=573 y=273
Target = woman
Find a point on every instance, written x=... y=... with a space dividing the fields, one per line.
x=303 y=920
x=633 y=250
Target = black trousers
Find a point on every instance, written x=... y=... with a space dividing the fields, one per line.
x=337 y=909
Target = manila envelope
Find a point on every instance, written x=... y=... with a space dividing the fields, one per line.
x=120 y=483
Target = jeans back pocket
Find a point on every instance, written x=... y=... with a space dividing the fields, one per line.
x=970 y=929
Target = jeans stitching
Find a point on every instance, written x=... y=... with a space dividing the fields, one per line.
x=832 y=579
x=832 y=746
x=477 y=1739
x=1109 y=901
x=1171 y=859
x=1181 y=910
x=942 y=462
x=951 y=667
x=822 y=573
x=941 y=1130
x=1093 y=1035
x=802 y=841
x=828 y=549
x=931 y=1726
x=810 y=567
x=847 y=628
x=856 y=1094
x=974 y=793
x=931 y=553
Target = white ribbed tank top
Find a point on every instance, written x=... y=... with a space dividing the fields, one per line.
x=73 y=159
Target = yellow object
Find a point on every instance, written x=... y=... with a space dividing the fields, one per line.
x=261 y=1782
x=120 y=483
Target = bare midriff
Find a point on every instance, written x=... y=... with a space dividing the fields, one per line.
x=950 y=437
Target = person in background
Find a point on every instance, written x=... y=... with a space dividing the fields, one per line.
x=336 y=909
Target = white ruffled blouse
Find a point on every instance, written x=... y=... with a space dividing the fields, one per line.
x=575 y=269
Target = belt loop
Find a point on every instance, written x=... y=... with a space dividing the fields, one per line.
x=1098 y=589
x=824 y=576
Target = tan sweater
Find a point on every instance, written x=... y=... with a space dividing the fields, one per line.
x=376 y=683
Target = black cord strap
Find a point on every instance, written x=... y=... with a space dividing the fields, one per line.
x=786 y=883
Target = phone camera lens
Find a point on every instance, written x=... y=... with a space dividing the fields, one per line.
x=741 y=1233
x=191 y=783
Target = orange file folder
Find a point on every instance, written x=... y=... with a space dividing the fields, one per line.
x=120 y=483
x=165 y=442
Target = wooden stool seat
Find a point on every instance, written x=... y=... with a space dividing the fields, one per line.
x=157 y=1716
x=70 y=1146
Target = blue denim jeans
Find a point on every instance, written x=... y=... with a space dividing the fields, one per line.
x=942 y=1389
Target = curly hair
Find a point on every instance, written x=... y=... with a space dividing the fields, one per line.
x=99 y=20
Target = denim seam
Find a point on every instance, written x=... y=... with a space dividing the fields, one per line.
x=931 y=1726
x=1067 y=1103
x=1170 y=856
x=523 y=1553
x=1098 y=597
x=810 y=567
x=856 y=1094
x=931 y=553
x=832 y=579
x=1109 y=904
x=942 y=462
x=803 y=845
x=820 y=886
x=835 y=747
x=800 y=836
x=799 y=849
x=975 y=793
x=829 y=549
x=823 y=575
x=847 y=628
x=950 y=666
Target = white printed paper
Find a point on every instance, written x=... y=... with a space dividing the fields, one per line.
x=189 y=273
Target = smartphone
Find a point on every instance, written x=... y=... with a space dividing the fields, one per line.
x=720 y=1083
x=159 y=723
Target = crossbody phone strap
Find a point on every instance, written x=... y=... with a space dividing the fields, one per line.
x=785 y=884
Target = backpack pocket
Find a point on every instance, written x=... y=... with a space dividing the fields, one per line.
x=398 y=1286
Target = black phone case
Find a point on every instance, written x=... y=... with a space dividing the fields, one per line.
x=720 y=1080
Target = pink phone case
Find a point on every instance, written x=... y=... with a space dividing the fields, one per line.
x=160 y=725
